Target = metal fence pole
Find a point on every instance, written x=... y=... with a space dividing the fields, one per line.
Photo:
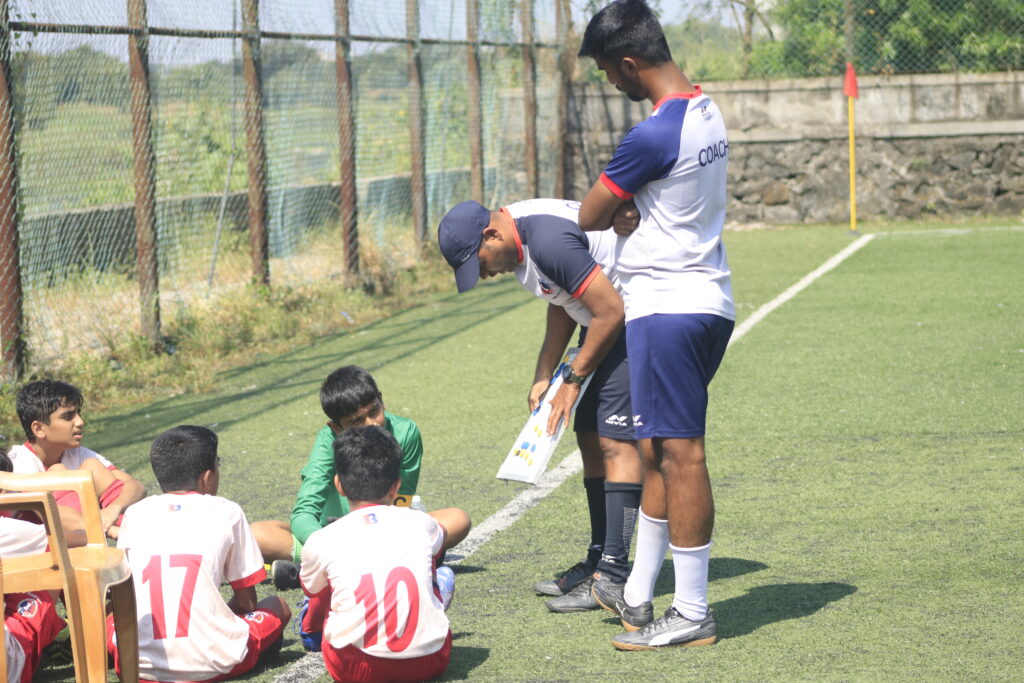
x=563 y=158
x=476 y=127
x=146 y=245
x=416 y=120
x=348 y=209
x=12 y=345
x=257 y=152
x=529 y=97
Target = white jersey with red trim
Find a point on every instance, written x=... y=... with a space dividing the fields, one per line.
x=18 y=537
x=557 y=260
x=180 y=547
x=378 y=563
x=673 y=166
x=25 y=460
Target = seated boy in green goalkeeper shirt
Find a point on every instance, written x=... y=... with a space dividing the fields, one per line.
x=350 y=398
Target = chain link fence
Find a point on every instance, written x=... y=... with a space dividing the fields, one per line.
x=275 y=141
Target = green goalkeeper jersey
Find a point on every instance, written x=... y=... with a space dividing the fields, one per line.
x=318 y=502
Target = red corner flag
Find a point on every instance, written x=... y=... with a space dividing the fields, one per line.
x=850 y=82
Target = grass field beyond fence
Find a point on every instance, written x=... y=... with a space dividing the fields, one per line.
x=865 y=443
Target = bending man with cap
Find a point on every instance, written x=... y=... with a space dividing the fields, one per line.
x=540 y=241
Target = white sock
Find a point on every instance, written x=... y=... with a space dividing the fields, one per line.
x=651 y=546
x=691 y=567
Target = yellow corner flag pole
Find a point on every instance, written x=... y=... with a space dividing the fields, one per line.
x=850 y=90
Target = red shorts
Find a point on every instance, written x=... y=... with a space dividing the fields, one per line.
x=31 y=618
x=70 y=498
x=352 y=664
x=265 y=629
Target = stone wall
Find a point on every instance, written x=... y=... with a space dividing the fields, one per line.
x=925 y=145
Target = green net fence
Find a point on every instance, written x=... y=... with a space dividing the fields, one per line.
x=225 y=158
x=73 y=282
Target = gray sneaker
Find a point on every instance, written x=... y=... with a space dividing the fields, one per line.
x=566 y=581
x=579 y=599
x=609 y=595
x=673 y=629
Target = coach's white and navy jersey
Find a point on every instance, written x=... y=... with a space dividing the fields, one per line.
x=378 y=563
x=25 y=461
x=673 y=166
x=180 y=547
x=557 y=260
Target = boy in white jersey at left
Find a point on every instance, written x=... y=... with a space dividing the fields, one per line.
x=375 y=608
x=50 y=412
x=180 y=546
x=30 y=619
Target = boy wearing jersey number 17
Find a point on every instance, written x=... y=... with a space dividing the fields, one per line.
x=180 y=545
x=374 y=601
x=679 y=311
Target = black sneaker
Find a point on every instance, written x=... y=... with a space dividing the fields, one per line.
x=609 y=595
x=566 y=581
x=285 y=575
x=579 y=599
x=673 y=629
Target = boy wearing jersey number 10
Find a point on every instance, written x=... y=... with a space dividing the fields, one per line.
x=374 y=601
x=180 y=546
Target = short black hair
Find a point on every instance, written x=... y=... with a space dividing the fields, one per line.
x=626 y=28
x=346 y=390
x=180 y=455
x=368 y=461
x=5 y=463
x=38 y=400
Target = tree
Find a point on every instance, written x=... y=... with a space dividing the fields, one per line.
x=892 y=36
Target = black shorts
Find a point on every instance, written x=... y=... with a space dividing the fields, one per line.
x=605 y=406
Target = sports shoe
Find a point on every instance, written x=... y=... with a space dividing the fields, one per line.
x=609 y=595
x=311 y=640
x=578 y=599
x=566 y=581
x=673 y=629
x=285 y=574
x=446 y=584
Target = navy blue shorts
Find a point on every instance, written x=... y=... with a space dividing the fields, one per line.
x=673 y=359
x=605 y=406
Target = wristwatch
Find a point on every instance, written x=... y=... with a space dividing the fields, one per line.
x=571 y=377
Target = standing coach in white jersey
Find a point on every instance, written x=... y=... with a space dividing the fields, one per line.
x=679 y=309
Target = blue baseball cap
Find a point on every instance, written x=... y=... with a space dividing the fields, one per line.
x=459 y=235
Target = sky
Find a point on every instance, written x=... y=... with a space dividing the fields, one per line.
x=438 y=19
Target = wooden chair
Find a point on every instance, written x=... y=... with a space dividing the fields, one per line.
x=85 y=574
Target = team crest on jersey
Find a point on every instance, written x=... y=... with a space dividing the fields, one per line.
x=254 y=617
x=28 y=607
x=174 y=507
x=369 y=518
x=545 y=287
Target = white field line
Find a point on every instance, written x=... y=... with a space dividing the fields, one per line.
x=311 y=666
x=948 y=231
x=759 y=315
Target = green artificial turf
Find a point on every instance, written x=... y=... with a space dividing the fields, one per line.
x=865 y=443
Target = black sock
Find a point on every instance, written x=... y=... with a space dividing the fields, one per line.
x=622 y=501
x=598 y=528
